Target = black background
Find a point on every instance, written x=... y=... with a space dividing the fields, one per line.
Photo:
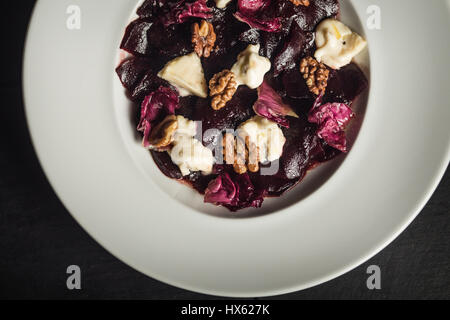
x=39 y=239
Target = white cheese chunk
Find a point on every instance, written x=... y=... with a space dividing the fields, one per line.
x=250 y=67
x=222 y=3
x=336 y=44
x=186 y=74
x=267 y=136
x=188 y=153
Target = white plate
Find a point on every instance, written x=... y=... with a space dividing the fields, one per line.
x=344 y=214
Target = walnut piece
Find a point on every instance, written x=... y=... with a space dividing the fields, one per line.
x=300 y=2
x=163 y=134
x=222 y=88
x=253 y=155
x=242 y=155
x=229 y=148
x=316 y=75
x=203 y=38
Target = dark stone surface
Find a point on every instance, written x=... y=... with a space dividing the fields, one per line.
x=39 y=239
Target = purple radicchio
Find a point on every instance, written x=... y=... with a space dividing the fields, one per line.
x=332 y=119
x=271 y=106
x=250 y=12
x=159 y=102
x=234 y=191
x=181 y=11
x=221 y=190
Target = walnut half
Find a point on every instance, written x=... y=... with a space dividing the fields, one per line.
x=203 y=38
x=242 y=155
x=300 y=2
x=163 y=134
x=222 y=88
x=316 y=75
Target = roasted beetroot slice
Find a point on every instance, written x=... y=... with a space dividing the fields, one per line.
x=196 y=180
x=251 y=36
x=295 y=86
x=345 y=84
x=135 y=40
x=238 y=110
x=150 y=82
x=297 y=93
x=229 y=42
x=153 y=8
x=169 y=42
x=131 y=71
x=301 y=140
x=309 y=17
x=165 y=164
x=296 y=45
x=269 y=43
x=306 y=18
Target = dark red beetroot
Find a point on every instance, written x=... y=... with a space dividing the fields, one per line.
x=154 y=44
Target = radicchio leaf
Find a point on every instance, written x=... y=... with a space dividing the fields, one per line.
x=250 y=12
x=185 y=9
x=249 y=7
x=162 y=101
x=271 y=106
x=247 y=196
x=234 y=191
x=332 y=119
x=221 y=190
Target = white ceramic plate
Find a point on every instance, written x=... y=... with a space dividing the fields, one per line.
x=342 y=215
